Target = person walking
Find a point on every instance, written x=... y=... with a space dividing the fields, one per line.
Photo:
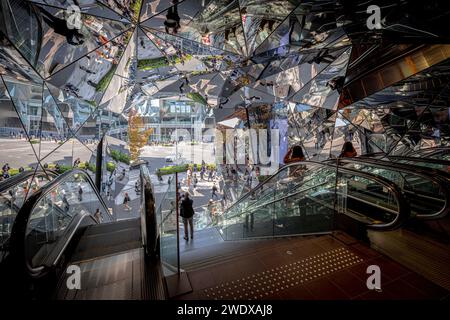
x=187 y=213
x=214 y=191
x=210 y=175
x=126 y=200
x=98 y=215
x=202 y=173
x=195 y=181
x=80 y=193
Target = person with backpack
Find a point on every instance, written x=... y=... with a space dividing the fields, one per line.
x=187 y=213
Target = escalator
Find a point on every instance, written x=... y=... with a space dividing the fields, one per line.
x=13 y=193
x=312 y=198
x=56 y=227
x=426 y=188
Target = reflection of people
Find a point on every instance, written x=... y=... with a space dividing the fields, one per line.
x=294 y=154
x=187 y=213
x=348 y=151
x=172 y=19
x=73 y=36
x=66 y=203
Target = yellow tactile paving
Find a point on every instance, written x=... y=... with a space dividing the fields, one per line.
x=274 y=280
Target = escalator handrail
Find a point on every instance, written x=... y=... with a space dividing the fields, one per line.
x=424 y=160
x=21 y=223
x=408 y=158
x=419 y=153
x=435 y=176
x=431 y=173
x=404 y=210
x=23 y=176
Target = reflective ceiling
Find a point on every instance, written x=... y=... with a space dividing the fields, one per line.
x=314 y=64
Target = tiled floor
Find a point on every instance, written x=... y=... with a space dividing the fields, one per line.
x=311 y=268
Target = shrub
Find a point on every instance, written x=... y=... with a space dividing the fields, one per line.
x=182 y=168
x=110 y=166
x=172 y=169
x=103 y=83
x=13 y=171
x=150 y=64
x=120 y=156
x=62 y=168
x=87 y=166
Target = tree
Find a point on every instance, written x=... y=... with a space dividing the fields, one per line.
x=137 y=134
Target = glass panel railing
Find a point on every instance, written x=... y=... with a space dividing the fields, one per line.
x=55 y=209
x=12 y=196
x=366 y=199
x=167 y=217
x=426 y=193
x=302 y=198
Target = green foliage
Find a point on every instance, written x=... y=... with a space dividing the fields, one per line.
x=150 y=64
x=34 y=141
x=62 y=167
x=110 y=166
x=103 y=83
x=135 y=7
x=172 y=169
x=87 y=166
x=13 y=171
x=92 y=103
x=120 y=156
x=197 y=97
x=182 y=168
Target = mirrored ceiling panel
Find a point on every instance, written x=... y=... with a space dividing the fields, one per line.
x=18 y=150
x=89 y=77
x=54 y=125
x=62 y=43
x=325 y=89
x=90 y=7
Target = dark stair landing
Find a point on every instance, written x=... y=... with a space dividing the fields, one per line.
x=107 y=239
